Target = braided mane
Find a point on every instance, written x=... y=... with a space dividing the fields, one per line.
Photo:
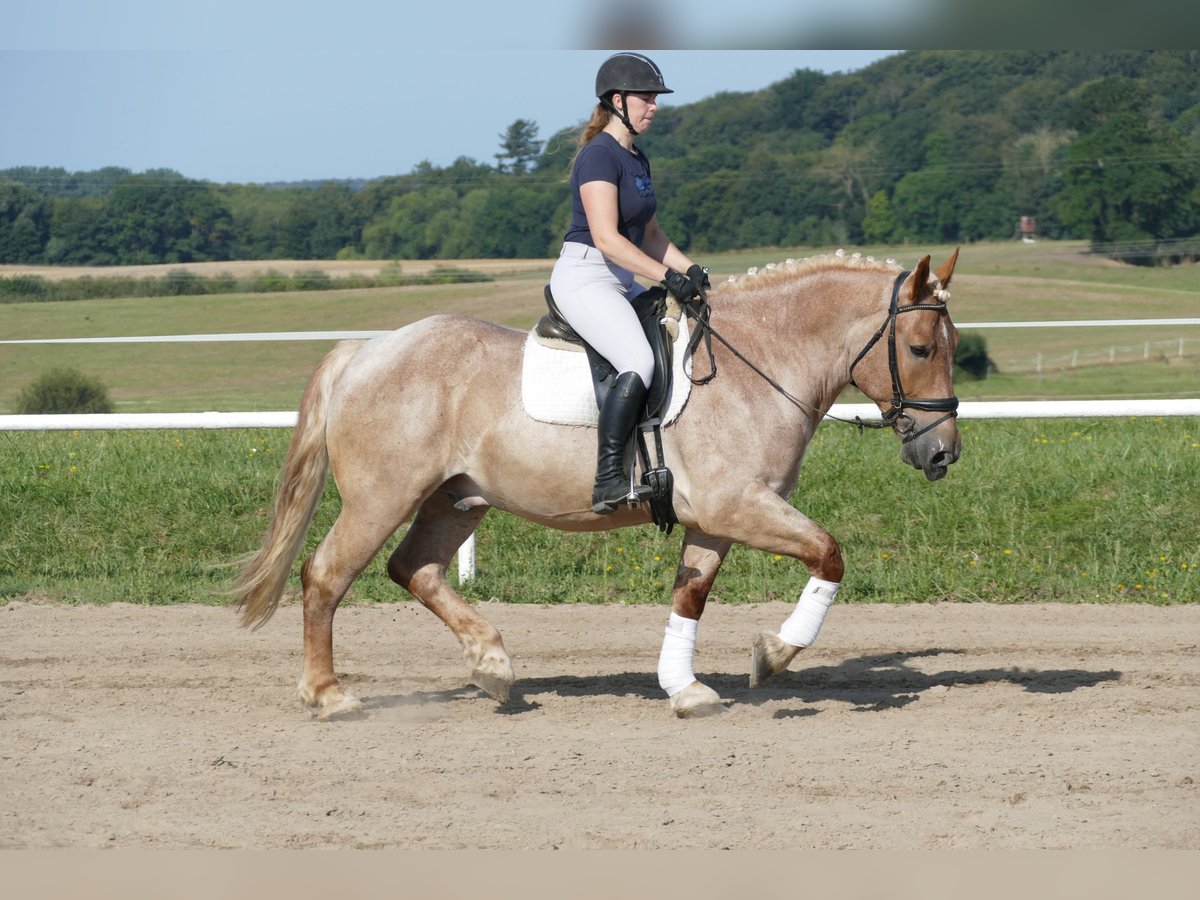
x=840 y=259
x=756 y=276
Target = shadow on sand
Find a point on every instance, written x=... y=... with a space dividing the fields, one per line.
x=868 y=683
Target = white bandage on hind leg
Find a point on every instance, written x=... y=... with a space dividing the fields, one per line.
x=803 y=625
x=678 y=649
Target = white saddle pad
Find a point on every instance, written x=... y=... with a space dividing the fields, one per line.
x=556 y=383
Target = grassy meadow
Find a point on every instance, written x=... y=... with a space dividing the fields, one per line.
x=1098 y=510
x=1070 y=510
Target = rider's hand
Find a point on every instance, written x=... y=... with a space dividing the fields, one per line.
x=700 y=284
x=680 y=286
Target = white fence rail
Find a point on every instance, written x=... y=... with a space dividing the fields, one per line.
x=990 y=409
x=268 y=336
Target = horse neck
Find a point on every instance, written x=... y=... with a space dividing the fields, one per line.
x=810 y=326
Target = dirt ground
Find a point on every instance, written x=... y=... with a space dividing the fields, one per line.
x=921 y=726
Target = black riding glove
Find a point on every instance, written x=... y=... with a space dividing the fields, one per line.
x=680 y=286
x=700 y=283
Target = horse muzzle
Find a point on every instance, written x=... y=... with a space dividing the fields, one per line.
x=933 y=451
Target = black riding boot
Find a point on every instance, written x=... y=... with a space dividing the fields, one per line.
x=618 y=417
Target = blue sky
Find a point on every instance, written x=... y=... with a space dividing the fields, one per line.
x=271 y=91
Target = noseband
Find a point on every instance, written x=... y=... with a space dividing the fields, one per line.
x=896 y=417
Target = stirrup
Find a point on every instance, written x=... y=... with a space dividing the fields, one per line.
x=635 y=494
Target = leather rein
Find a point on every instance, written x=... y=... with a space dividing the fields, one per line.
x=895 y=417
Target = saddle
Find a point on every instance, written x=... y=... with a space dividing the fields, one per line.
x=651 y=307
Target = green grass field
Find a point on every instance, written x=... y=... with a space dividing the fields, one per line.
x=1035 y=510
x=1098 y=510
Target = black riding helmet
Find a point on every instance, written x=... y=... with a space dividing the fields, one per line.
x=626 y=73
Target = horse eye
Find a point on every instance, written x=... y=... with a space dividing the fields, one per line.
x=920 y=350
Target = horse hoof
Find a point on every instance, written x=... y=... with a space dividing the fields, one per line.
x=492 y=673
x=769 y=655
x=496 y=687
x=340 y=707
x=696 y=701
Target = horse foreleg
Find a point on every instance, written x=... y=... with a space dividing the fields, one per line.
x=766 y=521
x=419 y=566
x=701 y=558
x=771 y=653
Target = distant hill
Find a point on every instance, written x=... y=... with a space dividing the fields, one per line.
x=924 y=146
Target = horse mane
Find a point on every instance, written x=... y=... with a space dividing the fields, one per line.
x=763 y=277
x=839 y=260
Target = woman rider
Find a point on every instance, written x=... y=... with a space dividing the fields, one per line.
x=615 y=236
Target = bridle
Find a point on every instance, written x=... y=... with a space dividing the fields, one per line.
x=895 y=415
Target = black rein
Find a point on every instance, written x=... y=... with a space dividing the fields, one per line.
x=895 y=415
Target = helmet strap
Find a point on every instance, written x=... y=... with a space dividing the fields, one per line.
x=622 y=113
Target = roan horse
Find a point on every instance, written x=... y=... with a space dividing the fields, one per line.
x=427 y=422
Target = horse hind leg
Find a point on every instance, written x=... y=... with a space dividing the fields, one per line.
x=351 y=543
x=419 y=566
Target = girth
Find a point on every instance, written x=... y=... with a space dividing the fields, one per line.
x=651 y=309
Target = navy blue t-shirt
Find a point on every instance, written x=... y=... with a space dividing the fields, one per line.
x=604 y=159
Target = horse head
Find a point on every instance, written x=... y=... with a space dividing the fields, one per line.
x=907 y=369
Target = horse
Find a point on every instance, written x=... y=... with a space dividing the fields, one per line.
x=426 y=424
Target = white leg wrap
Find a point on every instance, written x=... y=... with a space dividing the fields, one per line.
x=678 y=649
x=802 y=626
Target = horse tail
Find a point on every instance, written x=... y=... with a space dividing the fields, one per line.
x=264 y=574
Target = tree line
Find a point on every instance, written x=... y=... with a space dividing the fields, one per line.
x=925 y=146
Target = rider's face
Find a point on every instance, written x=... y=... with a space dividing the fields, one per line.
x=640 y=109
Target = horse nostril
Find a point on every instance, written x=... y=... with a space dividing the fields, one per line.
x=941 y=459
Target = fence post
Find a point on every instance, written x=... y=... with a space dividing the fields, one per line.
x=466 y=559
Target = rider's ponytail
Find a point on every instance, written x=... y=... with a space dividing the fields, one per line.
x=600 y=116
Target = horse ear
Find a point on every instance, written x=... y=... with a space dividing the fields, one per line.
x=916 y=281
x=946 y=269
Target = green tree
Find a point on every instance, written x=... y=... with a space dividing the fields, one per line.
x=24 y=224
x=507 y=221
x=404 y=232
x=160 y=217
x=925 y=205
x=337 y=221
x=257 y=215
x=79 y=234
x=1126 y=178
x=879 y=224
x=318 y=222
x=53 y=182
x=519 y=147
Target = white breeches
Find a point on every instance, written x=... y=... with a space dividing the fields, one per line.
x=593 y=294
